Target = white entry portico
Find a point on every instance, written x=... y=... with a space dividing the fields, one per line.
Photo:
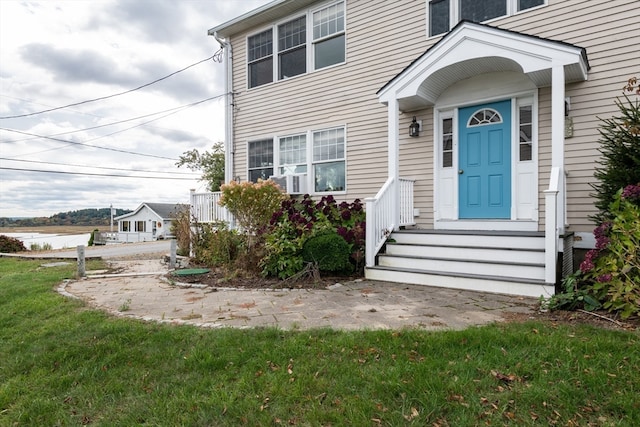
x=481 y=86
x=477 y=64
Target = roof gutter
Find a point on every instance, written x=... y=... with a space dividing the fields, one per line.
x=229 y=150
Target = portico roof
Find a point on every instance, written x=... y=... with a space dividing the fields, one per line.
x=471 y=49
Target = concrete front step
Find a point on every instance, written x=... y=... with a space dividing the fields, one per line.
x=465 y=265
x=533 y=240
x=516 y=255
x=502 y=284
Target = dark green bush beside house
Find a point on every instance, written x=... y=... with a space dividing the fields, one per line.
x=330 y=252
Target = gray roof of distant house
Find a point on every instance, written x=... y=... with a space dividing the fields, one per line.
x=165 y=211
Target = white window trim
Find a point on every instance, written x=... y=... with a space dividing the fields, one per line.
x=309 y=159
x=309 y=44
x=273 y=142
x=450 y=221
x=454 y=14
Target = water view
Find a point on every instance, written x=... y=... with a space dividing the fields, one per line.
x=57 y=241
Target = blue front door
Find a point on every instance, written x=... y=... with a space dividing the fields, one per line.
x=485 y=161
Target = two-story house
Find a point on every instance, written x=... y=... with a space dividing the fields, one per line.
x=469 y=126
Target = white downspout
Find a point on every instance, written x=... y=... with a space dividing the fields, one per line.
x=229 y=151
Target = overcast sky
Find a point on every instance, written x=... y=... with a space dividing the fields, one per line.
x=56 y=53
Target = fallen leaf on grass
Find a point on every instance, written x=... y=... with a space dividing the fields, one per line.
x=507 y=378
x=414 y=414
x=458 y=398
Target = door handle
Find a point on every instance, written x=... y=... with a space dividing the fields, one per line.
x=461 y=171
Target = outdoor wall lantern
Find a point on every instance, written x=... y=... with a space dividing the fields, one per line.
x=414 y=128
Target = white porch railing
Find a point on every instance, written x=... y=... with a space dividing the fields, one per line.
x=205 y=208
x=551 y=226
x=380 y=215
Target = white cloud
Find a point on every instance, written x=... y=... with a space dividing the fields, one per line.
x=54 y=53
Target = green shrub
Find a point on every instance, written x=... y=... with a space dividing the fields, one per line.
x=612 y=269
x=92 y=238
x=181 y=229
x=572 y=297
x=298 y=220
x=216 y=245
x=620 y=148
x=252 y=204
x=329 y=251
x=11 y=244
x=35 y=247
x=283 y=247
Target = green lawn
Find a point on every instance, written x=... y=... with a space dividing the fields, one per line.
x=64 y=364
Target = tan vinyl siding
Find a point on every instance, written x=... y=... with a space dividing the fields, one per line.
x=383 y=37
x=609 y=32
x=340 y=95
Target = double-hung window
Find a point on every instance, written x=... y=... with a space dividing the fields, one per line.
x=293 y=154
x=445 y=14
x=260 y=159
x=328 y=160
x=141 y=226
x=319 y=154
x=260 y=58
x=292 y=48
x=315 y=40
x=328 y=36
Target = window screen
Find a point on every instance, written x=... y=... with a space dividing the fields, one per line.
x=438 y=17
x=479 y=11
x=260 y=58
x=260 y=159
x=292 y=38
x=328 y=36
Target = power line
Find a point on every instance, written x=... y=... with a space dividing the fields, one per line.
x=88 y=145
x=97 y=167
x=173 y=110
x=97 y=174
x=108 y=96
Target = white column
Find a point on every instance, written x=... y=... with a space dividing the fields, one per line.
x=557 y=138
x=393 y=124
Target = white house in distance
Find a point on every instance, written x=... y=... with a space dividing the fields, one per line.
x=470 y=128
x=149 y=222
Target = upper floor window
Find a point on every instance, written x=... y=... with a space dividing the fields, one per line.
x=292 y=48
x=260 y=58
x=328 y=36
x=445 y=14
x=313 y=41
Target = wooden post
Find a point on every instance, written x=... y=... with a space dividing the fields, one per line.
x=172 y=255
x=81 y=263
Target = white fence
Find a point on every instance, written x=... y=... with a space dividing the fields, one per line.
x=205 y=208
